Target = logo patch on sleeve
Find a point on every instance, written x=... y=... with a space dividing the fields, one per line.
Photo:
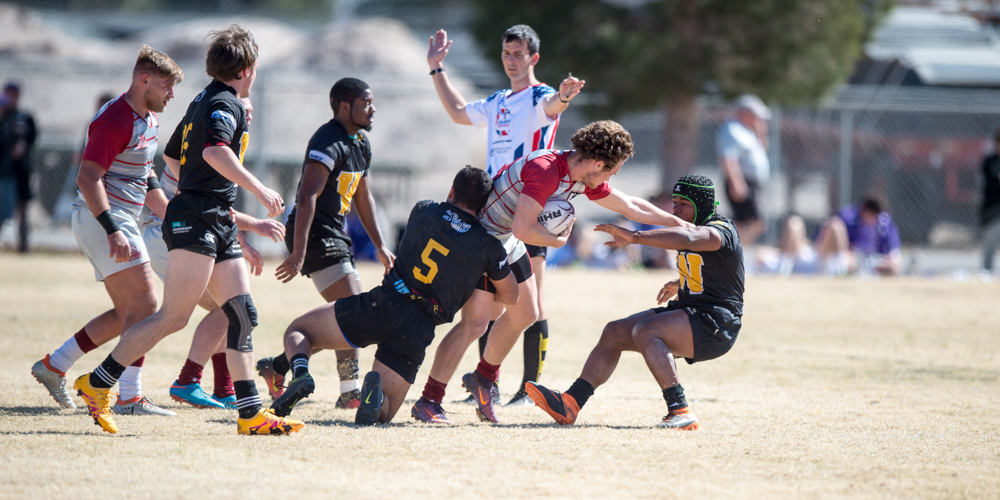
x=224 y=116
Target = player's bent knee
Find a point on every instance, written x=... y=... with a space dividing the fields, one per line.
x=616 y=334
x=642 y=334
x=242 y=316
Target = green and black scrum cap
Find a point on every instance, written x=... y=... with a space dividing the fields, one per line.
x=700 y=191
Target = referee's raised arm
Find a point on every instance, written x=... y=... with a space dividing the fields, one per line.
x=452 y=101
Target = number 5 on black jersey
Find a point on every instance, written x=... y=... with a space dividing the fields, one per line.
x=425 y=257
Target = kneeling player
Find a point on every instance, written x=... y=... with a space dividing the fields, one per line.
x=700 y=324
x=443 y=255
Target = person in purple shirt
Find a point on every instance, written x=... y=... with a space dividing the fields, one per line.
x=872 y=237
x=861 y=239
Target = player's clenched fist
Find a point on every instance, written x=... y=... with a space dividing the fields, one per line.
x=119 y=247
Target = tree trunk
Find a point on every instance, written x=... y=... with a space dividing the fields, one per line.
x=680 y=140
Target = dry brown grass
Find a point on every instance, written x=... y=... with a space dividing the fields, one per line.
x=836 y=388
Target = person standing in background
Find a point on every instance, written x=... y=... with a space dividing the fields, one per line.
x=742 y=150
x=989 y=212
x=17 y=134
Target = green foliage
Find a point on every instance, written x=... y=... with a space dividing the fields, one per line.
x=640 y=53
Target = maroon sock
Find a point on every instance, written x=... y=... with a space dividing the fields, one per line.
x=434 y=391
x=83 y=340
x=190 y=374
x=487 y=370
x=138 y=363
x=223 y=380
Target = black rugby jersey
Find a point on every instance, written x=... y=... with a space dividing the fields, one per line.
x=713 y=278
x=443 y=254
x=348 y=160
x=216 y=117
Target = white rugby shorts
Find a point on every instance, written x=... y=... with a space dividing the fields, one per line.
x=152 y=235
x=93 y=241
x=327 y=276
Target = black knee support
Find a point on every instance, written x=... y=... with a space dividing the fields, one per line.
x=242 y=317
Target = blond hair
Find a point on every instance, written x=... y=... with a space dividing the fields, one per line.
x=150 y=60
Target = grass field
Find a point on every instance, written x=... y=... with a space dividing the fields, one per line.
x=836 y=388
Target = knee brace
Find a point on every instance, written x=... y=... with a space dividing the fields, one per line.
x=242 y=317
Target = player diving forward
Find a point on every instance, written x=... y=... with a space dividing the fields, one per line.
x=520 y=190
x=444 y=253
x=700 y=324
x=335 y=172
x=203 y=252
x=115 y=174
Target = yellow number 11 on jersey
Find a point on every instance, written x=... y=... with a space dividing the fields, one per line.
x=432 y=267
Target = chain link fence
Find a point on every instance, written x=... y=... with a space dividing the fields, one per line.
x=918 y=148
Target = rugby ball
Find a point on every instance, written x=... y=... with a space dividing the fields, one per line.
x=557 y=215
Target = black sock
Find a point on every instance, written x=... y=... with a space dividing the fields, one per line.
x=280 y=364
x=247 y=399
x=581 y=390
x=484 y=339
x=107 y=374
x=536 y=343
x=300 y=365
x=674 y=396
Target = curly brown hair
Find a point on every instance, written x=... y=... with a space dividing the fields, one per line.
x=152 y=60
x=605 y=141
x=232 y=50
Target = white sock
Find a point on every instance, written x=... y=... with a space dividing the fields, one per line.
x=350 y=385
x=130 y=384
x=66 y=355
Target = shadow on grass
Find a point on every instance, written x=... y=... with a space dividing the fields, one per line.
x=33 y=411
x=65 y=433
x=407 y=423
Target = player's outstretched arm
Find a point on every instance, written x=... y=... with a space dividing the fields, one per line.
x=224 y=161
x=453 y=101
x=558 y=102
x=89 y=180
x=697 y=238
x=314 y=177
x=365 y=201
x=268 y=228
x=527 y=228
x=506 y=290
x=640 y=210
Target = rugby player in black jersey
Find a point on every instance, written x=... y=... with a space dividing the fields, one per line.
x=444 y=253
x=334 y=173
x=700 y=324
x=201 y=237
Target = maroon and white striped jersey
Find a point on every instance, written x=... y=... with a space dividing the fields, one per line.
x=542 y=175
x=124 y=144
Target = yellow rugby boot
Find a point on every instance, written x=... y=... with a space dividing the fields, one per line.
x=98 y=403
x=265 y=422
